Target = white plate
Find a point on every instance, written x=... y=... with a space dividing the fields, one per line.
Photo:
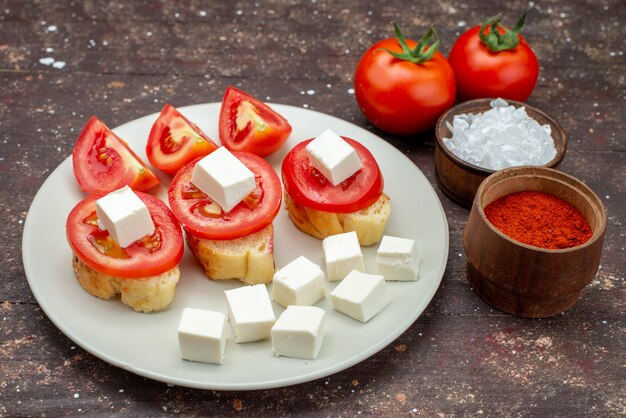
x=147 y=344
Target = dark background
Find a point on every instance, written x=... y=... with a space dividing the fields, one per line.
x=123 y=60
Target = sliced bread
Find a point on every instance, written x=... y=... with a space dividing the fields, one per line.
x=143 y=295
x=249 y=259
x=369 y=223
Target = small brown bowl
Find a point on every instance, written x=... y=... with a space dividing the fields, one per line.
x=459 y=179
x=521 y=279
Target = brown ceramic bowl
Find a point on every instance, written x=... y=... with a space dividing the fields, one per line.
x=524 y=280
x=459 y=179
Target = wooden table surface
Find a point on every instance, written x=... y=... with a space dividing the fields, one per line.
x=61 y=62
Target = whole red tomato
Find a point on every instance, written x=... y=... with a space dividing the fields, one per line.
x=494 y=61
x=403 y=86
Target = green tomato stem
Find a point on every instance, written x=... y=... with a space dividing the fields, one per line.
x=422 y=51
x=496 y=41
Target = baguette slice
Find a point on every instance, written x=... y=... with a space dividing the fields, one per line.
x=143 y=295
x=369 y=223
x=249 y=259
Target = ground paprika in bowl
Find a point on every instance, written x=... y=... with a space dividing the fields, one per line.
x=539 y=219
x=526 y=279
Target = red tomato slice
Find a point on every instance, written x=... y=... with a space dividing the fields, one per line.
x=174 y=141
x=308 y=187
x=103 y=162
x=147 y=257
x=205 y=219
x=247 y=124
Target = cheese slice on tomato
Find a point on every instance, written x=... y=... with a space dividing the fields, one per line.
x=333 y=157
x=223 y=178
x=124 y=216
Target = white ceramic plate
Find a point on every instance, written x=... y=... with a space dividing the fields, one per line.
x=147 y=344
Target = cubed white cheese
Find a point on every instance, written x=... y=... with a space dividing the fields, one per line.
x=360 y=295
x=250 y=312
x=342 y=254
x=223 y=178
x=300 y=282
x=333 y=157
x=299 y=332
x=202 y=335
x=124 y=216
x=397 y=259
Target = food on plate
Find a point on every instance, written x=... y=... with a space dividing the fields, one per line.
x=236 y=243
x=299 y=332
x=301 y=282
x=250 y=312
x=494 y=61
x=224 y=178
x=333 y=157
x=124 y=216
x=403 y=86
x=397 y=259
x=360 y=295
x=144 y=272
x=342 y=254
x=174 y=141
x=319 y=208
x=202 y=335
x=249 y=258
x=103 y=162
x=247 y=124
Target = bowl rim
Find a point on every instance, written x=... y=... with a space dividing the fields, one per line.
x=592 y=197
x=459 y=108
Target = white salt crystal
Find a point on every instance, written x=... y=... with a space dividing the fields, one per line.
x=504 y=136
x=46 y=61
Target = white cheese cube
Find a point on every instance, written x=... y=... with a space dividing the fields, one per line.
x=299 y=332
x=342 y=254
x=333 y=157
x=397 y=259
x=250 y=312
x=124 y=216
x=300 y=282
x=223 y=178
x=360 y=295
x=202 y=335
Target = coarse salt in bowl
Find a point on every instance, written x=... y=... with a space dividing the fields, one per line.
x=497 y=132
x=501 y=137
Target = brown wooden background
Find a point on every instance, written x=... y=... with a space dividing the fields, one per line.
x=124 y=59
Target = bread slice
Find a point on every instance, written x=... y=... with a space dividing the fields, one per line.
x=369 y=223
x=249 y=259
x=143 y=295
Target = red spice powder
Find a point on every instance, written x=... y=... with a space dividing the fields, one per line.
x=539 y=219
